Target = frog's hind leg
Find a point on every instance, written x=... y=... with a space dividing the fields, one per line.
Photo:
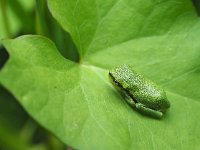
x=148 y=111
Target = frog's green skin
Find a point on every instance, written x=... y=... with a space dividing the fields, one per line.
x=140 y=92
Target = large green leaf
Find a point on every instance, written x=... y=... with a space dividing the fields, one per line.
x=77 y=102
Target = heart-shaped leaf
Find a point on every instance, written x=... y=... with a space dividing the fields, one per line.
x=78 y=103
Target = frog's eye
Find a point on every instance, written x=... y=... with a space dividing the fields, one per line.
x=116 y=83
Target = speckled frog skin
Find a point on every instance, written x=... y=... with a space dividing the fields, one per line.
x=141 y=93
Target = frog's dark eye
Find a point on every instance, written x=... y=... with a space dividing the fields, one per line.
x=116 y=82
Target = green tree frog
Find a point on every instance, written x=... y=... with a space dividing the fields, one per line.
x=141 y=93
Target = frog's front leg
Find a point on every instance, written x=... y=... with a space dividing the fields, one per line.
x=128 y=99
x=148 y=111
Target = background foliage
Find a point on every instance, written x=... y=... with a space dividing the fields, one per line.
x=64 y=86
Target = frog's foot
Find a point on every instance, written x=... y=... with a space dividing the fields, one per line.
x=148 y=111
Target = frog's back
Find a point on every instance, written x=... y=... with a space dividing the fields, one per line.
x=141 y=89
x=128 y=78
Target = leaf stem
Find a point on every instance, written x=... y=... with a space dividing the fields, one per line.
x=22 y=15
x=3 y=7
x=41 y=23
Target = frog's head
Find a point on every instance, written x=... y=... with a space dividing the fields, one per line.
x=121 y=76
x=115 y=82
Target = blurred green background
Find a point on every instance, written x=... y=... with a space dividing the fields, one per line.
x=18 y=131
x=18 y=17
